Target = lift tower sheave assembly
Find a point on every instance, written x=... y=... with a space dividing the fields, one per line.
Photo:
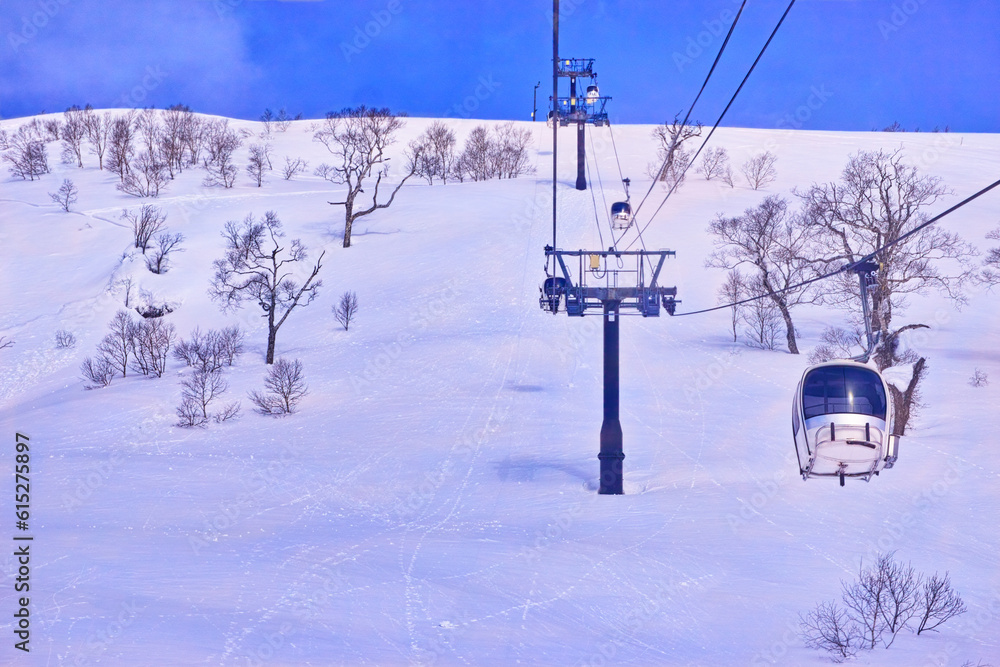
x=612 y=281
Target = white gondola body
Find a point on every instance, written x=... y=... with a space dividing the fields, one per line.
x=621 y=215
x=842 y=422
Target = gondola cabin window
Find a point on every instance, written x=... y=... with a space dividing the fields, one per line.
x=843 y=390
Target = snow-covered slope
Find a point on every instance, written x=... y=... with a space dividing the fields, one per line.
x=434 y=502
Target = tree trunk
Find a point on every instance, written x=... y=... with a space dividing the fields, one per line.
x=348 y=223
x=786 y=315
x=272 y=333
x=903 y=402
x=348 y=217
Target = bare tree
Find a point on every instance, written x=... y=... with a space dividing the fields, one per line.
x=878 y=202
x=476 y=162
x=358 y=139
x=258 y=267
x=147 y=123
x=267 y=118
x=433 y=153
x=674 y=174
x=53 y=127
x=727 y=176
x=230 y=344
x=670 y=138
x=286 y=387
x=283 y=121
x=193 y=132
x=27 y=153
x=5 y=342
x=151 y=346
x=761 y=318
x=158 y=261
x=99 y=372
x=212 y=349
x=938 y=603
x=66 y=195
x=120 y=147
x=201 y=350
x=759 y=170
x=866 y=600
x=830 y=628
x=991 y=265
x=148 y=175
x=126 y=286
x=199 y=391
x=733 y=291
x=260 y=162
x=221 y=142
x=119 y=345
x=345 y=309
x=98 y=133
x=511 y=145
x=73 y=134
x=145 y=222
x=714 y=163
x=902 y=586
x=772 y=241
x=65 y=339
x=170 y=141
x=293 y=167
x=839 y=343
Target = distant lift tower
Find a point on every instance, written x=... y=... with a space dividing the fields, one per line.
x=579 y=282
x=576 y=109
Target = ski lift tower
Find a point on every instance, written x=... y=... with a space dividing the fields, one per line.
x=576 y=109
x=611 y=282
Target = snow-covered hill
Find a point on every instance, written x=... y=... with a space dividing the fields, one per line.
x=433 y=501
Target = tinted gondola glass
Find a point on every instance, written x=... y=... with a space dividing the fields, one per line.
x=843 y=390
x=622 y=210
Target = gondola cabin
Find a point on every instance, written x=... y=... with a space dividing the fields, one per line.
x=621 y=215
x=592 y=93
x=842 y=422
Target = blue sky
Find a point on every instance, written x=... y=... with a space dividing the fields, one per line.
x=835 y=64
